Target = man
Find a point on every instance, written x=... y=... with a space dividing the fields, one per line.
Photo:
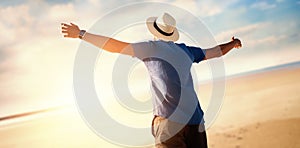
x=178 y=117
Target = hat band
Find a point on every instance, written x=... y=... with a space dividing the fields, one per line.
x=161 y=31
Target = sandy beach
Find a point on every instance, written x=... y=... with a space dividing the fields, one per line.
x=259 y=110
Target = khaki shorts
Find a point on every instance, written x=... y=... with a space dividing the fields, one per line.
x=169 y=134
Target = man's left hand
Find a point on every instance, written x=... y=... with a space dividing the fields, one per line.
x=237 y=42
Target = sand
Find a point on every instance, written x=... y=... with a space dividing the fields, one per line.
x=274 y=133
x=260 y=110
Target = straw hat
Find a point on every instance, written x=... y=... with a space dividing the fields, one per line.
x=163 y=27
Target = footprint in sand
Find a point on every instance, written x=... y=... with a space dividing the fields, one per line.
x=229 y=135
x=242 y=130
x=257 y=125
x=239 y=138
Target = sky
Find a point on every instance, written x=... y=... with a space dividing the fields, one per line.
x=36 y=62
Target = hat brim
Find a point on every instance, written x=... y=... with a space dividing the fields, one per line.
x=174 y=37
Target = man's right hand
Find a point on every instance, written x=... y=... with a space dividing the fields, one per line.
x=70 y=31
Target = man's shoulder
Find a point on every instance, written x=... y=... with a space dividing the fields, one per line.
x=182 y=45
x=154 y=43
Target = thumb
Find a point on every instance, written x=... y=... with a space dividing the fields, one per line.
x=232 y=38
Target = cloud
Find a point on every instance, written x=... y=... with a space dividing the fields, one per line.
x=204 y=8
x=33 y=57
x=262 y=5
x=198 y=8
x=59 y=12
x=253 y=35
x=264 y=42
x=263 y=35
x=12 y=3
x=35 y=60
x=25 y=26
x=241 y=31
x=16 y=25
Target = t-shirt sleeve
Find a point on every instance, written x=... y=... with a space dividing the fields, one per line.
x=198 y=53
x=142 y=50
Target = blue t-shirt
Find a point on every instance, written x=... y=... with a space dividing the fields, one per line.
x=169 y=65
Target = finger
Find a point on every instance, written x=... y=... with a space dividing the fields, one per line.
x=64 y=28
x=73 y=24
x=66 y=25
x=232 y=38
x=64 y=31
x=67 y=35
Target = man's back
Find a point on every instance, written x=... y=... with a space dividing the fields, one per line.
x=169 y=66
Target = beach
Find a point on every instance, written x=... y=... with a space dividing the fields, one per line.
x=258 y=110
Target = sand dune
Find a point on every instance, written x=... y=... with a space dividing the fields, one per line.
x=260 y=110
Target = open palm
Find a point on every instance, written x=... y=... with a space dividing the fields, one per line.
x=70 y=31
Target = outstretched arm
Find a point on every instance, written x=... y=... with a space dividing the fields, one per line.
x=222 y=49
x=106 y=43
